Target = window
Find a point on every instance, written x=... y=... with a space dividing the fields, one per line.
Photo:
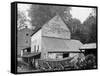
x=38 y=48
x=65 y=55
x=28 y=49
x=27 y=34
x=34 y=48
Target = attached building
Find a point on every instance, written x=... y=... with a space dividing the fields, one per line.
x=23 y=39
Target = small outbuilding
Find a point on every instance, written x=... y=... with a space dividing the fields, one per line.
x=90 y=48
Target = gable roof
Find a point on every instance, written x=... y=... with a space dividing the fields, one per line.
x=61 y=45
x=57 y=20
x=25 y=29
x=89 y=46
x=56 y=28
x=36 y=30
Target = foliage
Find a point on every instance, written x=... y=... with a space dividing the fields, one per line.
x=87 y=63
x=91 y=28
x=40 y=14
x=21 y=19
x=85 y=32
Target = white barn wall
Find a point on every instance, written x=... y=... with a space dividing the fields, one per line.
x=36 y=41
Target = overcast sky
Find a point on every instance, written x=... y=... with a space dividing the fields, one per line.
x=80 y=13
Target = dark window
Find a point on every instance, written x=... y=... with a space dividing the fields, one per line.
x=27 y=34
x=34 y=48
x=28 y=49
x=65 y=55
x=38 y=48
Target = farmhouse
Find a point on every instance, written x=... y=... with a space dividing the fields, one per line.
x=23 y=39
x=53 y=40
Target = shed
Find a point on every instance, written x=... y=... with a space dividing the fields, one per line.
x=90 y=48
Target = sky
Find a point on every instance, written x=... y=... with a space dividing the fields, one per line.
x=80 y=13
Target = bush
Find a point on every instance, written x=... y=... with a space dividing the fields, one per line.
x=87 y=63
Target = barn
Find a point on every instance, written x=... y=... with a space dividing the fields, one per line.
x=53 y=40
